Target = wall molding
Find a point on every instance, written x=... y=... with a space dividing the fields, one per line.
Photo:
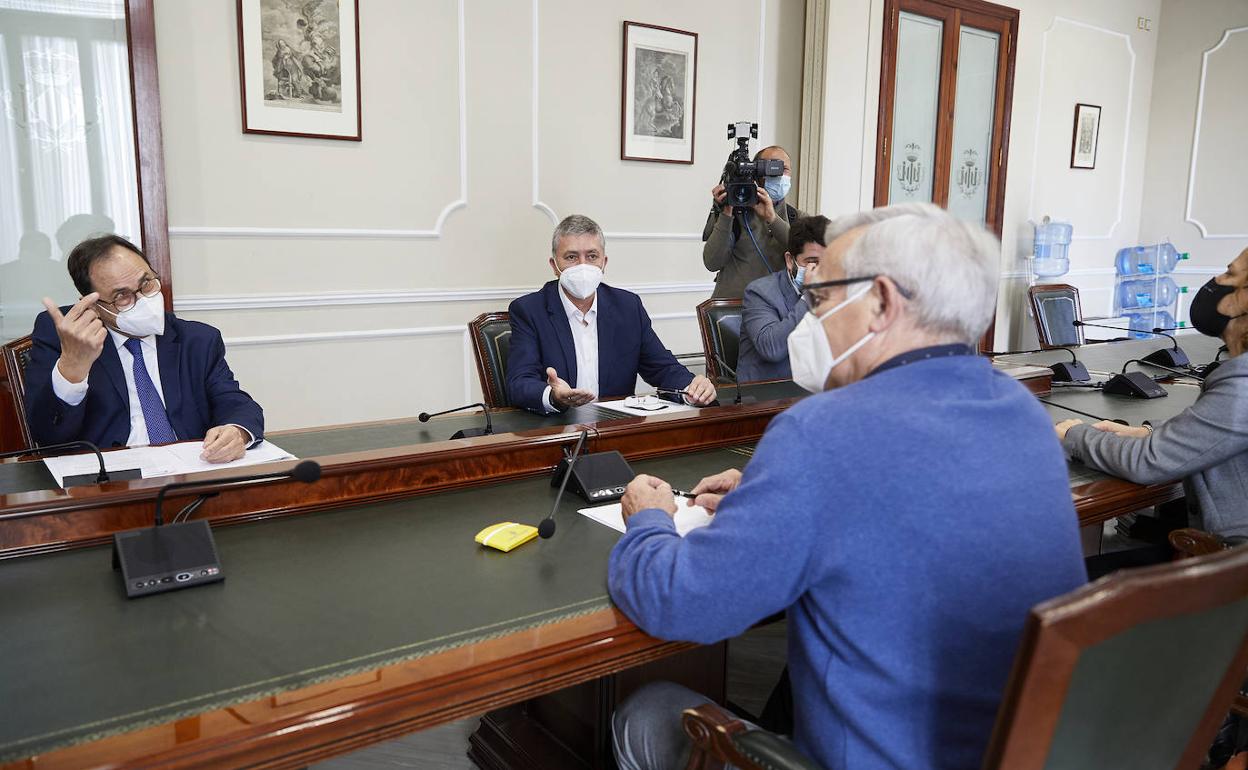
x=1126 y=130
x=193 y=303
x=203 y=231
x=1109 y=271
x=535 y=111
x=1200 y=110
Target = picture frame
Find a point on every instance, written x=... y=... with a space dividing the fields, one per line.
x=658 y=93
x=299 y=68
x=1085 y=136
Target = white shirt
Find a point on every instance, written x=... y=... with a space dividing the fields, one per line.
x=585 y=339
x=73 y=393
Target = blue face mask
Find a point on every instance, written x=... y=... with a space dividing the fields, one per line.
x=777 y=187
x=799 y=279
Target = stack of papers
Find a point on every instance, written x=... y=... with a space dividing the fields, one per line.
x=154 y=461
x=652 y=406
x=687 y=518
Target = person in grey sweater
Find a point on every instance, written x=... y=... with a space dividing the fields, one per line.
x=1207 y=444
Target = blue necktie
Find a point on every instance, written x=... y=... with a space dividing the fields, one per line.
x=159 y=431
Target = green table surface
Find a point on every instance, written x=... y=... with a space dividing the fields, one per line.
x=1110 y=356
x=32 y=476
x=305 y=599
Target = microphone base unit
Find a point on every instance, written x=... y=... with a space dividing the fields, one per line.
x=471 y=433
x=1172 y=357
x=154 y=560
x=598 y=478
x=1070 y=371
x=1134 y=385
x=91 y=479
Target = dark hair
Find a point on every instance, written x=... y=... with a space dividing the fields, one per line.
x=759 y=154
x=91 y=251
x=807 y=230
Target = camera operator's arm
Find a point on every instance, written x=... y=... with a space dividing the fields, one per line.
x=717 y=251
x=777 y=226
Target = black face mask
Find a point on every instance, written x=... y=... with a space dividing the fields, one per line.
x=1204 y=309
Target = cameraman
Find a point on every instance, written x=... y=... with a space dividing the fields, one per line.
x=729 y=248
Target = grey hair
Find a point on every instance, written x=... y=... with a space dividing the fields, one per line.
x=576 y=224
x=949 y=268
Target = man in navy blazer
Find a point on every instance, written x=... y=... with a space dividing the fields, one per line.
x=773 y=306
x=115 y=369
x=578 y=330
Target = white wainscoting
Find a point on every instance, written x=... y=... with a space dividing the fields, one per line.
x=1224 y=152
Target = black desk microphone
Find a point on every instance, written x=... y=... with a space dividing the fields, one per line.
x=165 y=557
x=83 y=478
x=488 y=430
x=1173 y=356
x=547 y=527
x=1074 y=371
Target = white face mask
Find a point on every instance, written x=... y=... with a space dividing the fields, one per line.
x=810 y=354
x=146 y=318
x=581 y=281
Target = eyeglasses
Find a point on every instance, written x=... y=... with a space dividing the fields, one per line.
x=124 y=299
x=816 y=294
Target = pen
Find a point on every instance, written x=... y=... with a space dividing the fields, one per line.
x=671 y=392
x=683 y=493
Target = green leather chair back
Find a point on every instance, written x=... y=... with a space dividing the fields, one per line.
x=491 y=344
x=1136 y=670
x=720 y=323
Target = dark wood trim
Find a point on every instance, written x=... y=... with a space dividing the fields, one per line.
x=149 y=146
x=693 y=108
x=359 y=105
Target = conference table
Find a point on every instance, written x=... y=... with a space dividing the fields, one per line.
x=359 y=608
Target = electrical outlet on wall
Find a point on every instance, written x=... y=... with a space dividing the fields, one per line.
x=1144 y=24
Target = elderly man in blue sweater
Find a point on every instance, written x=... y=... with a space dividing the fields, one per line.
x=906 y=518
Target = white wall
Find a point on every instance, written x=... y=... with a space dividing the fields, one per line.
x=1068 y=51
x=343 y=274
x=1205 y=51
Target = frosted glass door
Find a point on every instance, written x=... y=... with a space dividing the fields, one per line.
x=915 y=102
x=973 y=110
x=67 y=164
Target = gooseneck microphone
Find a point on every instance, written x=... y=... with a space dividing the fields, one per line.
x=165 y=557
x=1173 y=356
x=1081 y=412
x=1180 y=372
x=488 y=430
x=85 y=478
x=736 y=383
x=1062 y=371
x=547 y=527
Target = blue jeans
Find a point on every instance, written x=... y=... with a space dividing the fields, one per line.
x=646 y=728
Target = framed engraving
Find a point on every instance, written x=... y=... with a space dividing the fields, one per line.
x=658 y=93
x=299 y=68
x=1087 y=132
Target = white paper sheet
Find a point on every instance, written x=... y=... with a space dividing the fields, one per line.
x=687 y=518
x=155 y=461
x=669 y=407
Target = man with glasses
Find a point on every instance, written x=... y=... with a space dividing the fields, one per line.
x=115 y=369
x=906 y=517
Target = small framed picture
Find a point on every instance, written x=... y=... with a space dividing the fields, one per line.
x=299 y=68
x=1087 y=130
x=658 y=93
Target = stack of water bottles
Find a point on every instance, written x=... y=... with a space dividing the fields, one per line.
x=1145 y=292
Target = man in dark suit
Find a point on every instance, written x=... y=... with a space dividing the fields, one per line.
x=578 y=330
x=773 y=305
x=115 y=369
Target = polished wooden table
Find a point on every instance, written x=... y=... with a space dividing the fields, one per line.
x=594 y=656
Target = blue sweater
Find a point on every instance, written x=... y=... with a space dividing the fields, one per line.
x=907 y=522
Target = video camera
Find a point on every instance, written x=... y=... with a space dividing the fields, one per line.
x=742 y=175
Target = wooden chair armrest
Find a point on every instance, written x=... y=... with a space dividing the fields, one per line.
x=1188 y=542
x=720 y=738
x=1239 y=706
